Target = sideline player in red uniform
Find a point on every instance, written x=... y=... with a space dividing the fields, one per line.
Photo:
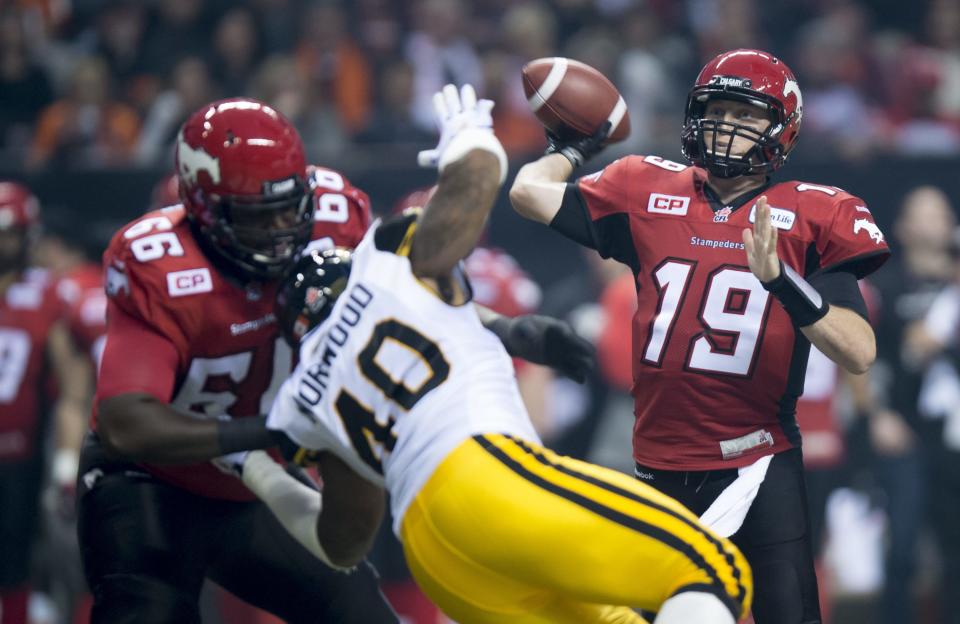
x=192 y=358
x=736 y=276
x=33 y=343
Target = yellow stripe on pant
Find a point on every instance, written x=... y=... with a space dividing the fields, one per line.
x=507 y=531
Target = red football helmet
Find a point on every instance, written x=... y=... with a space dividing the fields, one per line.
x=242 y=176
x=751 y=76
x=19 y=213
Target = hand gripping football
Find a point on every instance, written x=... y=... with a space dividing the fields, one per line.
x=573 y=99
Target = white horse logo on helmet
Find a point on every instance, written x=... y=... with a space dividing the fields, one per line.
x=193 y=161
x=791 y=86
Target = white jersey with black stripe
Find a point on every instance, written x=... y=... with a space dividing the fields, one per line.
x=396 y=377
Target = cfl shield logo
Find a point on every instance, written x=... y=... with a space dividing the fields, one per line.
x=193 y=161
x=668 y=204
x=870 y=228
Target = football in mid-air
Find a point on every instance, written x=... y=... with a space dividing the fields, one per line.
x=572 y=98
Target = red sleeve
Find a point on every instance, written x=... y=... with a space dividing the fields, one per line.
x=136 y=358
x=594 y=211
x=606 y=192
x=139 y=289
x=853 y=240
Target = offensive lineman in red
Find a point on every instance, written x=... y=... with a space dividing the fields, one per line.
x=736 y=276
x=193 y=357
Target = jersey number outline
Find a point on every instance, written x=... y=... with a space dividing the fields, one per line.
x=333 y=207
x=154 y=246
x=15 y=350
x=733 y=313
x=214 y=386
x=370 y=438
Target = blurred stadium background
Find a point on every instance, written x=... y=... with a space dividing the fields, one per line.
x=92 y=93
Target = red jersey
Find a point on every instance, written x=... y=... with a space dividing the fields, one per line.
x=717 y=363
x=28 y=309
x=183 y=332
x=85 y=303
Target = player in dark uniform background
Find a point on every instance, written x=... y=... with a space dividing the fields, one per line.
x=192 y=358
x=34 y=344
x=736 y=275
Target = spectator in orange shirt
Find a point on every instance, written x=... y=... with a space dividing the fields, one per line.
x=87 y=126
x=334 y=65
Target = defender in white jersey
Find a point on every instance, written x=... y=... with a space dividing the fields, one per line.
x=400 y=385
x=377 y=377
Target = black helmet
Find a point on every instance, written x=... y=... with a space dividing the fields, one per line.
x=309 y=291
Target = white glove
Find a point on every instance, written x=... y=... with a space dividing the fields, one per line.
x=465 y=124
x=231 y=464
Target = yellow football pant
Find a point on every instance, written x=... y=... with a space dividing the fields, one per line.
x=508 y=531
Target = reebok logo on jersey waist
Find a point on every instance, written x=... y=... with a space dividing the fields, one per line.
x=189 y=282
x=780 y=218
x=668 y=204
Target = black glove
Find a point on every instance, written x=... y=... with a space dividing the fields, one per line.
x=548 y=341
x=577 y=148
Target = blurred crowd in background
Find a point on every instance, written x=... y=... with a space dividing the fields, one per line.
x=105 y=84
x=100 y=83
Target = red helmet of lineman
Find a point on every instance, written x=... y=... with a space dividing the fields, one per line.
x=241 y=169
x=750 y=76
x=19 y=224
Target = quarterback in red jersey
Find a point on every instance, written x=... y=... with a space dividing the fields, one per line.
x=736 y=276
x=192 y=360
x=33 y=344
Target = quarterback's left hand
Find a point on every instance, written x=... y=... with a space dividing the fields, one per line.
x=231 y=464
x=551 y=342
x=761 y=245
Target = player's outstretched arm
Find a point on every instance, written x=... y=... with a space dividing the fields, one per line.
x=353 y=509
x=338 y=527
x=454 y=218
x=139 y=427
x=472 y=166
x=542 y=340
x=134 y=421
x=538 y=189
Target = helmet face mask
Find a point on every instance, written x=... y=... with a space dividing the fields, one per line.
x=743 y=77
x=310 y=290
x=262 y=237
x=242 y=178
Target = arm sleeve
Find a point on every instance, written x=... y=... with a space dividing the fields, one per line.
x=840 y=288
x=136 y=359
x=852 y=241
x=594 y=213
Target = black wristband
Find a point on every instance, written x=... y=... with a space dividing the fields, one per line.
x=801 y=300
x=244 y=434
x=572 y=154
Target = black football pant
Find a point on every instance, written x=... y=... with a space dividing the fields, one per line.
x=775 y=536
x=147 y=546
x=19 y=518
